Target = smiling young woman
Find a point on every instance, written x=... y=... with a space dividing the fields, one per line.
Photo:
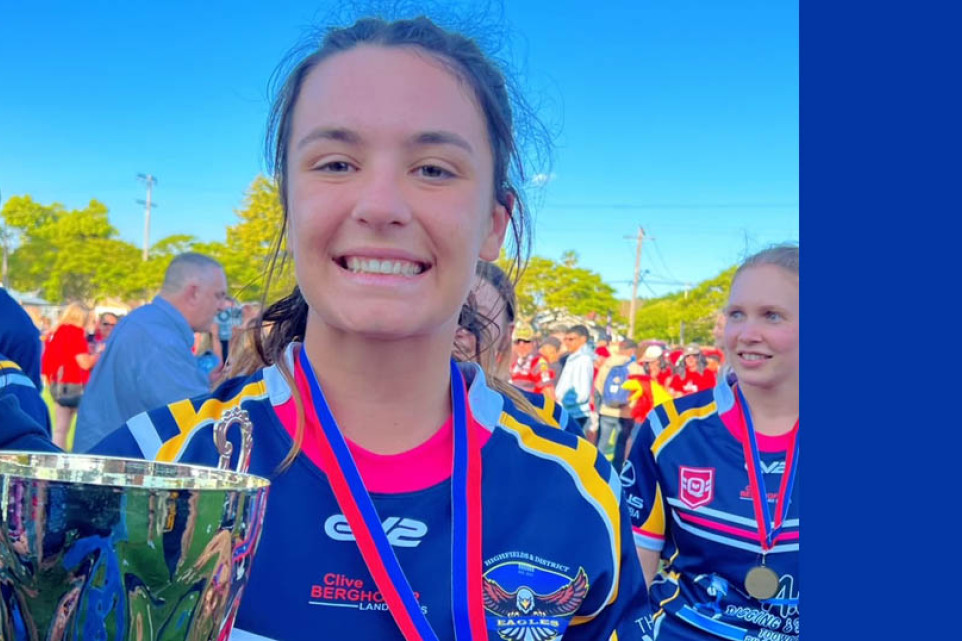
x=714 y=476
x=395 y=158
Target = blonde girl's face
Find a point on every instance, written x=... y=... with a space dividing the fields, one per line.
x=390 y=193
x=761 y=331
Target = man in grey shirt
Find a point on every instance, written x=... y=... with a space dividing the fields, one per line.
x=148 y=361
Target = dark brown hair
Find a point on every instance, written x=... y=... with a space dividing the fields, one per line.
x=287 y=318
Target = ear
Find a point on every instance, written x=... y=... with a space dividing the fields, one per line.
x=191 y=291
x=500 y=216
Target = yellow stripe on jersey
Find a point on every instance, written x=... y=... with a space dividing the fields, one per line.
x=188 y=419
x=9 y=365
x=546 y=412
x=655 y=523
x=677 y=422
x=672 y=577
x=580 y=460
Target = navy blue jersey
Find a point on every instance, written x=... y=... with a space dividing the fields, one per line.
x=20 y=338
x=553 y=527
x=551 y=413
x=15 y=382
x=688 y=492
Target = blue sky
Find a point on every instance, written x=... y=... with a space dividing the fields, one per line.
x=680 y=116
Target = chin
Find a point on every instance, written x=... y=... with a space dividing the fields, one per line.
x=389 y=324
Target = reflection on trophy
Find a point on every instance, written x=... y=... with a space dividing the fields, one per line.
x=110 y=549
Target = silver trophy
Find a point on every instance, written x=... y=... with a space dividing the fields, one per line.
x=110 y=549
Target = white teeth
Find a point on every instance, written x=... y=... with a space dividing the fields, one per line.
x=375 y=266
x=754 y=357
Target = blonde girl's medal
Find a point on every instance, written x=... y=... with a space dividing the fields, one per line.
x=761 y=583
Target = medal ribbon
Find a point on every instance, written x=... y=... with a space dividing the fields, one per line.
x=379 y=557
x=768 y=530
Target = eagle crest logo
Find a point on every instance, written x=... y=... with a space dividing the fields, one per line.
x=532 y=616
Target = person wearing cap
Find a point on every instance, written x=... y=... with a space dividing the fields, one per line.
x=654 y=360
x=647 y=391
x=695 y=377
x=529 y=371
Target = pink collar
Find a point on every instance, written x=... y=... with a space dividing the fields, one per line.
x=735 y=423
x=426 y=465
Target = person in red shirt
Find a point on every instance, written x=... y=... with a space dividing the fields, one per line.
x=529 y=370
x=647 y=391
x=695 y=376
x=66 y=365
x=656 y=366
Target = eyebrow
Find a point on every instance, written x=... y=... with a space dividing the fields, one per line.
x=330 y=133
x=423 y=139
x=440 y=138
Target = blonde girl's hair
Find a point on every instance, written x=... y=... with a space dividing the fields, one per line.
x=74 y=314
x=784 y=256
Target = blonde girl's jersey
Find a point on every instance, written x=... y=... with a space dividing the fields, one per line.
x=557 y=552
x=687 y=489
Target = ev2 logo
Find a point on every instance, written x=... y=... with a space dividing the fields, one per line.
x=775 y=467
x=401 y=532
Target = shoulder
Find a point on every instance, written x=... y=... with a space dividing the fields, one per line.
x=11 y=374
x=682 y=418
x=164 y=433
x=519 y=439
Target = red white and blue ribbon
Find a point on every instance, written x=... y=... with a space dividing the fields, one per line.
x=768 y=530
x=379 y=557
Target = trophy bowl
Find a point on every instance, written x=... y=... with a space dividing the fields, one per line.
x=104 y=548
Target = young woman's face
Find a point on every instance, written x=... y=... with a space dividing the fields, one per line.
x=390 y=192
x=761 y=332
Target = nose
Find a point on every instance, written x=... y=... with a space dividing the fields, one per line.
x=382 y=200
x=748 y=331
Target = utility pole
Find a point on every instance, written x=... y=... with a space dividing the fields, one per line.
x=634 y=284
x=150 y=180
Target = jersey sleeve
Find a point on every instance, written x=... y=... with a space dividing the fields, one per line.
x=643 y=488
x=628 y=611
x=19 y=431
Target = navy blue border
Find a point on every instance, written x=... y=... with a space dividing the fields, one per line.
x=880 y=201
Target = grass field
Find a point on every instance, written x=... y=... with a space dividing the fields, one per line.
x=49 y=401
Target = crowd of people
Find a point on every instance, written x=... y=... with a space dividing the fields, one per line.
x=555 y=484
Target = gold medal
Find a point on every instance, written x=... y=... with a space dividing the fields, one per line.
x=761 y=582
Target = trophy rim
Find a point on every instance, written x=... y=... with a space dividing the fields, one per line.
x=124 y=472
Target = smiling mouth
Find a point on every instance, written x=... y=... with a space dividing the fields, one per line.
x=748 y=356
x=382 y=267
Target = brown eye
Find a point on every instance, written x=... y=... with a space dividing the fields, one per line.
x=334 y=167
x=433 y=171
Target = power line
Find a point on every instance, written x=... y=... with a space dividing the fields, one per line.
x=661 y=259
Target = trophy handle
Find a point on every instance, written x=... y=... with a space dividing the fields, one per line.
x=225 y=447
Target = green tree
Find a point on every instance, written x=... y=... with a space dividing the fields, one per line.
x=663 y=318
x=563 y=286
x=250 y=244
x=76 y=255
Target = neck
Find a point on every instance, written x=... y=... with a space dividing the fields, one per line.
x=178 y=303
x=388 y=396
x=774 y=410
